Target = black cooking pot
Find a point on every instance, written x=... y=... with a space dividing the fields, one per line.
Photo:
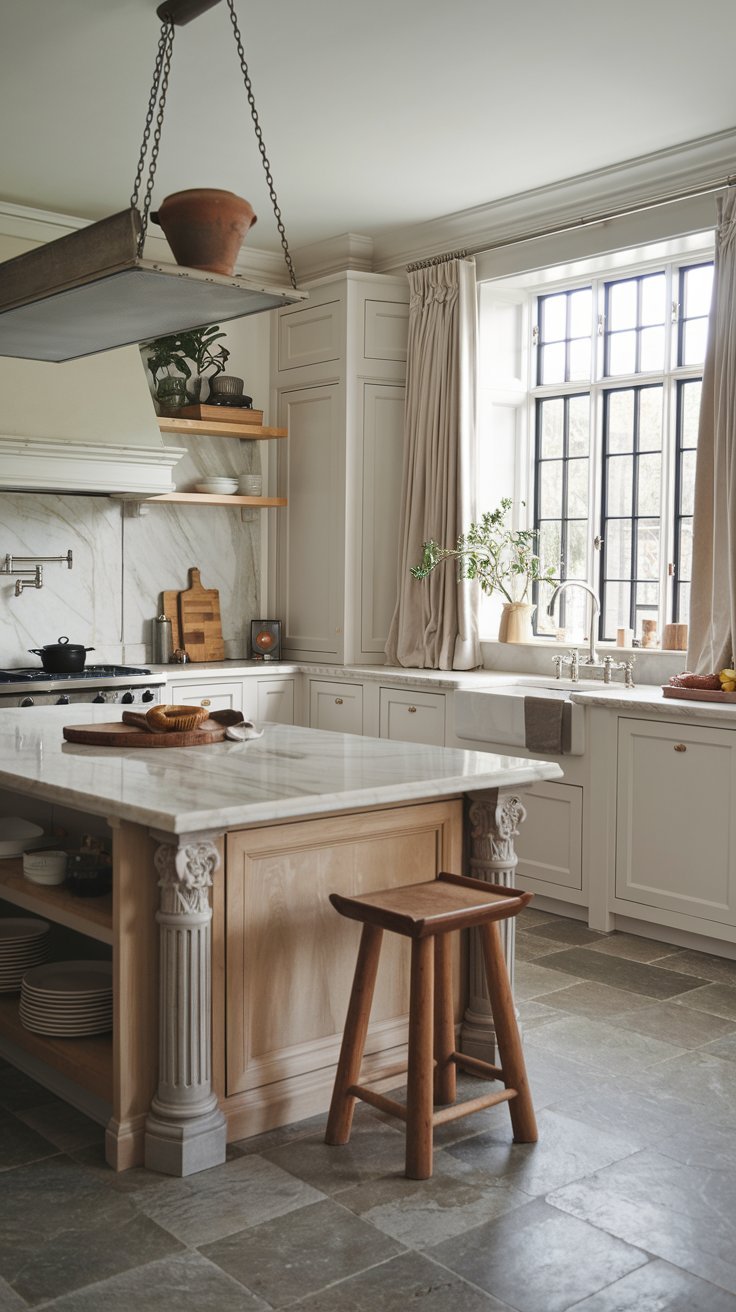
x=62 y=657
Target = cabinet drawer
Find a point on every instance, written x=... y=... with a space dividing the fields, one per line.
x=310 y=336
x=413 y=717
x=217 y=696
x=337 y=706
x=276 y=701
x=550 y=842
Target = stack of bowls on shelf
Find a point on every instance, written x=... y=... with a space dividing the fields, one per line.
x=68 y=999
x=216 y=485
x=23 y=945
x=44 y=867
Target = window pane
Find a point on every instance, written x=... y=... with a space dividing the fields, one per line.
x=683 y=609
x=550 y=493
x=650 y=419
x=690 y=412
x=552 y=415
x=580 y=360
x=549 y=541
x=698 y=288
x=686 y=550
x=581 y=304
x=615 y=608
x=579 y=426
x=618 y=549
x=577 y=488
x=576 y=564
x=651 y=350
x=620 y=478
x=622 y=305
x=622 y=353
x=554 y=309
x=652 y=298
x=694 y=338
x=552 y=365
x=687 y=482
x=620 y=421
x=650 y=474
x=647 y=549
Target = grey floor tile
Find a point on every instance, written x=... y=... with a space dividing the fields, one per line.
x=63 y=1126
x=19 y=1143
x=659 y=1287
x=536 y=1262
x=673 y=1023
x=566 y=1150
x=719 y=970
x=408 y=1281
x=61 y=1229
x=702 y=1144
x=632 y=976
x=421 y=1213
x=595 y=1000
x=553 y=1077
x=623 y=1108
x=9 y=1300
x=19 y=1092
x=681 y=1213
x=375 y=1149
x=725 y=1047
x=299 y=1254
x=601 y=1045
x=260 y=1143
x=573 y=932
x=535 y=981
x=717 y=999
x=184 y=1283
x=633 y=948
x=533 y=916
x=699 y=1078
x=212 y=1204
x=530 y=948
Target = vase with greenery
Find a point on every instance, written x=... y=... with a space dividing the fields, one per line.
x=501 y=559
x=188 y=357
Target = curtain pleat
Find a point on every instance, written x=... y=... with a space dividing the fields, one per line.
x=435 y=621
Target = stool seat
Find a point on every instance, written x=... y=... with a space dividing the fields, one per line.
x=427 y=913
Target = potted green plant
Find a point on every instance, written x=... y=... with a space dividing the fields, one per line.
x=501 y=559
x=179 y=362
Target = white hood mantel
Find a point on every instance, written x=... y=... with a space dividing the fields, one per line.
x=87 y=426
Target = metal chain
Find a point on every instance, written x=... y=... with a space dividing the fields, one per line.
x=166 y=69
x=261 y=145
x=152 y=99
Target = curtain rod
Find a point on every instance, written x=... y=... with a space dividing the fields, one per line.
x=585 y=221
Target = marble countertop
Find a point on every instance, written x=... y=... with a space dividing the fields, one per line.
x=651 y=699
x=289 y=773
x=395 y=675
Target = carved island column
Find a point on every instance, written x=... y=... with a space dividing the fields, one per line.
x=492 y=821
x=185 y=1129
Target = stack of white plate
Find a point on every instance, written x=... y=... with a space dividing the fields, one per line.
x=217 y=485
x=67 y=998
x=23 y=944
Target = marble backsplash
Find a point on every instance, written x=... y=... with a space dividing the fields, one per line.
x=122 y=563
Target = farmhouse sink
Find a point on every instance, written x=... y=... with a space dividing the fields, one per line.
x=496 y=714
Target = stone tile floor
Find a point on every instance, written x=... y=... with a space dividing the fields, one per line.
x=626 y=1204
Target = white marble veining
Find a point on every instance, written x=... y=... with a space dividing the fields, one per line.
x=289 y=773
x=397 y=676
x=653 y=702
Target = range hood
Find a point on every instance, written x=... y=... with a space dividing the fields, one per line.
x=91 y=292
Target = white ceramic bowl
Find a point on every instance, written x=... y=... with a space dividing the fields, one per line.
x=45 y=867
x=218 y=486
x=250 y=485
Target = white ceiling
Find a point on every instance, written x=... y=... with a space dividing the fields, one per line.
x=374 y=116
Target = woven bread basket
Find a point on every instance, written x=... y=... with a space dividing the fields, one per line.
x=176 y=719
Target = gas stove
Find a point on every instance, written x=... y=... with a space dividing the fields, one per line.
x=115 y=684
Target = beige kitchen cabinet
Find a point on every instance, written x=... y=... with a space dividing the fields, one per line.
x=413 y=717
x=336 y=706
x=215 y=694
x=550 y=846
x=676 y=820
x=339 y=379
x=274 y=700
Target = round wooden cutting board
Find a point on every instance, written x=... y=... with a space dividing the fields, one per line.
x=126 y=735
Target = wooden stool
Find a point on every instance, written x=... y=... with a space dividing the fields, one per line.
x=427 y=913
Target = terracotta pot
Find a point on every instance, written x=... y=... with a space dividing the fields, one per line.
x=516 y=622
x=205 y=228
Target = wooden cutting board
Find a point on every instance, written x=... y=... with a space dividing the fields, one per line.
x=170 y=608
x=118 y=734
x=199 y=621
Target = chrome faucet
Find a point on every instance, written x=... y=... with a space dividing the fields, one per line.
x=595 y=607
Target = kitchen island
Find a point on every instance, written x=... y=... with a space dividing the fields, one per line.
x=231 y=971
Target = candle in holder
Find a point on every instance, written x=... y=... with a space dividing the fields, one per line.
x=649 y=633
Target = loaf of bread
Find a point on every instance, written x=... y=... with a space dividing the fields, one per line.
x=711 y=682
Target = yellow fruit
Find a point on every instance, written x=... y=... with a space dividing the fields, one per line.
x=727 y=676
x=728 y=685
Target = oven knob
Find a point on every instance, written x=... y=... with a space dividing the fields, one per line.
x=147 y=696
x=127 y=697
x=63 y=700
x=27 y=701
x=99 y=698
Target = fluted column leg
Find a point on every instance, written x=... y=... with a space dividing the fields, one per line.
x=493 y=819
x=185 y=1129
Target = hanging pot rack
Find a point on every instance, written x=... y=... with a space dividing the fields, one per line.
x=93 y=290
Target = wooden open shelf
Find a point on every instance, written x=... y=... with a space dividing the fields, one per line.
x=86 y=1061
x=91 y=916
x=210 y=428
x=209 y=499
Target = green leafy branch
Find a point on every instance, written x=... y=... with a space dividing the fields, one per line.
x=500 y=558
x=179 y=351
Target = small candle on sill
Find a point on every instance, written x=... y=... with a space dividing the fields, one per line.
x=624 y=637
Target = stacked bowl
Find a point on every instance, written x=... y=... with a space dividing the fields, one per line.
x=218 y=486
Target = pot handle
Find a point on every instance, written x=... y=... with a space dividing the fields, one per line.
x=35 y=651
x=89 y=649
x=62 y=641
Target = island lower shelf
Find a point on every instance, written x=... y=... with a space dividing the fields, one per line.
x=86 y=1062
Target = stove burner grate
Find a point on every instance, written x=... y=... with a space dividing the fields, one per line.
x=33 y=673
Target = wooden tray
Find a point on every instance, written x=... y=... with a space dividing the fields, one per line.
x=119 y=734
x=219 y=414
x=698 y=694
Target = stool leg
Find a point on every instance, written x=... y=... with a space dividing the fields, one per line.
x=510 y=1050
x=445 y=1071
x=340 y=1119
x=419 y=1084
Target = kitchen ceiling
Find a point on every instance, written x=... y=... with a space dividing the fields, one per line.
x=375 y=116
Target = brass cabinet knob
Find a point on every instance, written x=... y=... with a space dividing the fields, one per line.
x=206 y=701
x=412 y=710
x=338 y=701
x=680 y=747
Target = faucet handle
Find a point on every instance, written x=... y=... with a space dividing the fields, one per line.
x=558 y=662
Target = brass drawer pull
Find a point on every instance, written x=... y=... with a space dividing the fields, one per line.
x=338 y=701
x=206 y=701
x=680 y=747
x=412 y=710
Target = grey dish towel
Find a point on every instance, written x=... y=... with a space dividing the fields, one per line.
x=543 y=725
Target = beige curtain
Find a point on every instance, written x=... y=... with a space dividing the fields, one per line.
x=713 y=589
x=435 y=621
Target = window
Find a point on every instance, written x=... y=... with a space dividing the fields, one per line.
x=616 y=369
